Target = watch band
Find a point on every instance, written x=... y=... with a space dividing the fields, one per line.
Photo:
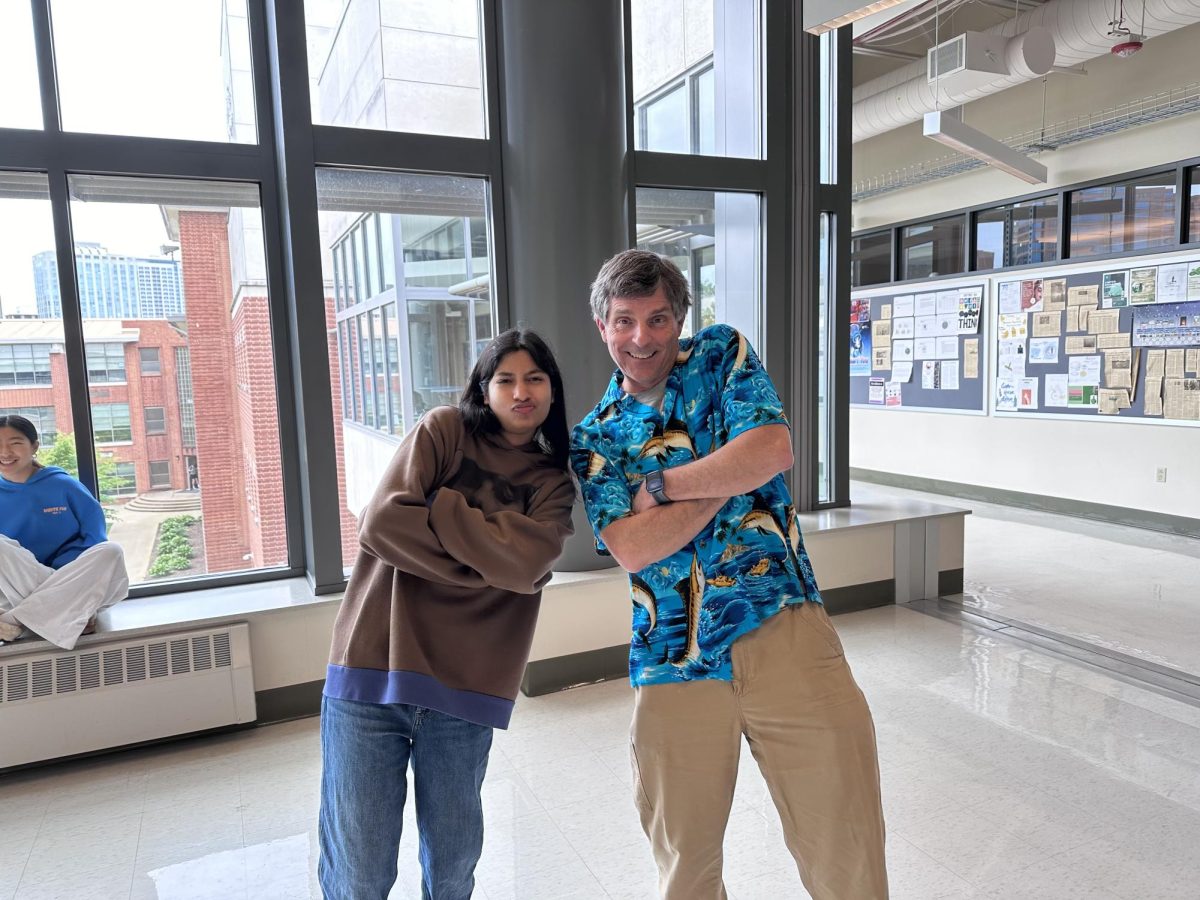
x=654 y=484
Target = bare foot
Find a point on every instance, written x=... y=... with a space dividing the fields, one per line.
x=10 y=631
x=90 y=627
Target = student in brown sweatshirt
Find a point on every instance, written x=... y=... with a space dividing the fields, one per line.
x=434 y=632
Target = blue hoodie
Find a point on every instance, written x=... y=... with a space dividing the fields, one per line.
x=51 y=515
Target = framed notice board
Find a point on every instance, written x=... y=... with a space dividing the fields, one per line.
x=1114 y=342
x=920 y=348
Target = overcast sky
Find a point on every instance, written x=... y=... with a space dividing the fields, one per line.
x=139 y=67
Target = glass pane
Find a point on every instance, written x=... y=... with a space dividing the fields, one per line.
x=391 y=347
x=1194 y=205
x=143 y=67
x=990 y=239
x=932 y=248
x=150 y=361
x=685 y=43
x=33 y=365
x=160 y=261
x=20 y=101
x=442 y=351
x=667 y=125
x=397 y=66
x=826 y=299
x=871 y=259
x=1034 y=236
x=435 y=251
x=412 y=342
x=706 y=112
x=1018 y=234
x=716 y=240
x=827 y=109
x=1132 y=215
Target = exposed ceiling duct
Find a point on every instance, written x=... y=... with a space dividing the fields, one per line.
x=1160 y=107
x=1080 y=30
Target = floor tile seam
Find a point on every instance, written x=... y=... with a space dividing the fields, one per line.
x=891 y=834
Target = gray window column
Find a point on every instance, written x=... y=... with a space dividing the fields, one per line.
x=566 y=188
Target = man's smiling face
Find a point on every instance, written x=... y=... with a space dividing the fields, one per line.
x=642 y=336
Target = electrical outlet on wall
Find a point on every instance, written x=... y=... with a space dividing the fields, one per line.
x=1160 y=474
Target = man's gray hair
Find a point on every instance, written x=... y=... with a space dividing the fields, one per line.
x=638 y=273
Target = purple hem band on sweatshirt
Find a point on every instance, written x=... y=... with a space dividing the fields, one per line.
x=415 y=689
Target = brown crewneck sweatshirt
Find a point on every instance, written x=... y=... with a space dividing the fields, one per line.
x=456 y=545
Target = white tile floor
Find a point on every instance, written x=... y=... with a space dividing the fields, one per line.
x=1127 y=589
x=1007 y=773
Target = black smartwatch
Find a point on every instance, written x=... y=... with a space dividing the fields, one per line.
x=654 y=484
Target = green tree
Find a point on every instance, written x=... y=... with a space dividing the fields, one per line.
x=62 y=454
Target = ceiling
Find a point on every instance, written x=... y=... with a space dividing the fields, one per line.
x=906 y=36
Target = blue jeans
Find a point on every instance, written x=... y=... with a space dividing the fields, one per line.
x=365 y=752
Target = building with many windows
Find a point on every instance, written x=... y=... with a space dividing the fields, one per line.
x=111 y=285
x=135 y=387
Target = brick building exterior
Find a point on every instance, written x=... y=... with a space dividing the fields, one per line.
x=152 y=438
x=227 y=384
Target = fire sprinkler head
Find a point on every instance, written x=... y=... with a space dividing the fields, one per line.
x=1128 y=47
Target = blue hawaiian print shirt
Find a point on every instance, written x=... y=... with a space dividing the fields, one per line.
x=748 y=563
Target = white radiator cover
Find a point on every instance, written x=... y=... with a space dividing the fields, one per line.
x=56 y=703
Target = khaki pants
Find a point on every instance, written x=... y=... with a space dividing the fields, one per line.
x=810 y=731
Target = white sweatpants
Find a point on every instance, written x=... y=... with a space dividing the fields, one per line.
x=56 y=603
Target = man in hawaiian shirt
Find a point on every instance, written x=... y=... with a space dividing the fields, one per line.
x=679 y=465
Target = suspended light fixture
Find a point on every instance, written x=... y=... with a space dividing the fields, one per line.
x=951 y=132
x=1125 y=42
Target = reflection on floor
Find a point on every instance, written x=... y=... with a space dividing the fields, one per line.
x=1007 y=773
x=1127 y=589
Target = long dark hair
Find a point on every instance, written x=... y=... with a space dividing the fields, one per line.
x=479 y=419
x=21 y=424
x=27 y=428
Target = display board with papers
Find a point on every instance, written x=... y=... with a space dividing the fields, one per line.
x=1113 y=341
x=920 y=349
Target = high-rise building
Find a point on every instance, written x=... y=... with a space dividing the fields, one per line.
x=112 y=286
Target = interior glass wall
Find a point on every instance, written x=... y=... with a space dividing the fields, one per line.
x=871 y=259
x=1017 y=234
x=932 y=248
x=1194 y=204
x=1138 y=214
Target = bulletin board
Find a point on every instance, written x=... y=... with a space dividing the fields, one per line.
x=920 y=348
x=1116 y=342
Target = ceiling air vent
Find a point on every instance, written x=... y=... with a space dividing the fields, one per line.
x=974 y=57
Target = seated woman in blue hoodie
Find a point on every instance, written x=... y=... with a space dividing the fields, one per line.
x=57 y=567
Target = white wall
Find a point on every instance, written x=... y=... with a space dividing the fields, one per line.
x=1168 y=61
x=1100 y=462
